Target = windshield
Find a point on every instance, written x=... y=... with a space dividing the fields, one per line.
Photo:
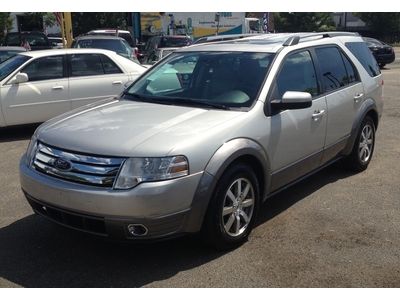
x=6 y=54
x=229 y=79
x=8 y=66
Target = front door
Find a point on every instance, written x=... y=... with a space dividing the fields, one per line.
x=44 y=96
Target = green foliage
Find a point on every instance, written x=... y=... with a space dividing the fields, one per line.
x=381 y=23
x=5 y=24
x=36 y=18
x=303 y=21
x=84 y=22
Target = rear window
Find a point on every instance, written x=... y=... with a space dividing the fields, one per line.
x=365 y=57
x=113 y=45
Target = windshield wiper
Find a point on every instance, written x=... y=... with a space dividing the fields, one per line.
x=175 y=101
x=191 y=101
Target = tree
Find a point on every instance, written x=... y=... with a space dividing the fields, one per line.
x=303 y=21
x=5 y=24
x=84 y=22
x=382 y=24
x=46 y=18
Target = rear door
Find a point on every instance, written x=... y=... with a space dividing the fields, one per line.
x=94 y=77
x=44 y=96
x=344 y=94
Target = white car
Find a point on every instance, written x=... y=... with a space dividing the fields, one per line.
x=38 y=85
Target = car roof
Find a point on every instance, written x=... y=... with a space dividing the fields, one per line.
x=12 y=48
x=270 y=42
x=43 y=53
x=108 y=30
x=99 y=37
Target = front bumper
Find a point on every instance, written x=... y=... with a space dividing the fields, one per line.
x=163 y=207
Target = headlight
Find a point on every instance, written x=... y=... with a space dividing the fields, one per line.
x=140 y=169
x=30 y=152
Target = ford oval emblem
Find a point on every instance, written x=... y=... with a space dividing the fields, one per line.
x=62 y=164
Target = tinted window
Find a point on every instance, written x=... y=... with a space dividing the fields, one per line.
x=51 y=67
x=352 y=75
x=297 y=74
x=86 y=65
x=10 y=65
x=334 y=74
x=365 y=57
x=174 y=42
x=4 y=55
x=113 y=45
x=229 y=78
x=109 y=66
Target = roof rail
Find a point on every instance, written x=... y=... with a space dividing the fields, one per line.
x=295 y=39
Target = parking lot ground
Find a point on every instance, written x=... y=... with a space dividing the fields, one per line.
x=335 y=229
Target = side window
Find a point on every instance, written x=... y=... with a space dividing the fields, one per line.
x=86 y=65
x=297 y=75
x=109 y=66
x=51 y=67
x=364 y=55
x=352 y=75
x=334 y=75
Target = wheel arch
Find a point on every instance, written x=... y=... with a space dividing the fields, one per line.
x=368 y=108
x=234 y=151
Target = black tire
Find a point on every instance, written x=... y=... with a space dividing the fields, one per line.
x=213 y=230
x=382 y=66
x=354 y=161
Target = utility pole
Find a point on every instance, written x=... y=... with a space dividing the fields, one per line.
x=68 y=28
x=217 y=17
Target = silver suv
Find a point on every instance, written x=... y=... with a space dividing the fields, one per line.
x=205 y=136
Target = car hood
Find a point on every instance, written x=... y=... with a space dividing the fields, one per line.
x=126 y=128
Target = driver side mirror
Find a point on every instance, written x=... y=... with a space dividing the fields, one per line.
x=20 y=78
x=292 y=100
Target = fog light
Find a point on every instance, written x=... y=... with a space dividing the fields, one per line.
x=137 y=229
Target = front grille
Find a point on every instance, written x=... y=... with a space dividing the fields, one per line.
x=76 y=167
x=81 y=222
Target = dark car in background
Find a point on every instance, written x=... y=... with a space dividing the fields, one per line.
x=383 y=53
x=170 y=41
x=7 y=52
x=37 y=40
x=113 y=43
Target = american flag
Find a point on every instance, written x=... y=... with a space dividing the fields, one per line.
x=58 y=17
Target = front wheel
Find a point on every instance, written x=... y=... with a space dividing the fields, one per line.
x=363 y=148
x=233 y=209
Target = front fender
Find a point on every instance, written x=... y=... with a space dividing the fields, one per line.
x=216 y=166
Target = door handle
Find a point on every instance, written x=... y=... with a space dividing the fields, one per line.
x=57 y=87
x=317 y=114
x=117 y=82
x=358 y=97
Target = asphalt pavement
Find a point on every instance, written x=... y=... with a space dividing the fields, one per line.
x=335 y=229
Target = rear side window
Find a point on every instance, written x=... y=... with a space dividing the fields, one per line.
x=86 y=65
x=51 y=67
x=334 y=75
x=297 y=75
x=365 y=57
x=109 y=66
